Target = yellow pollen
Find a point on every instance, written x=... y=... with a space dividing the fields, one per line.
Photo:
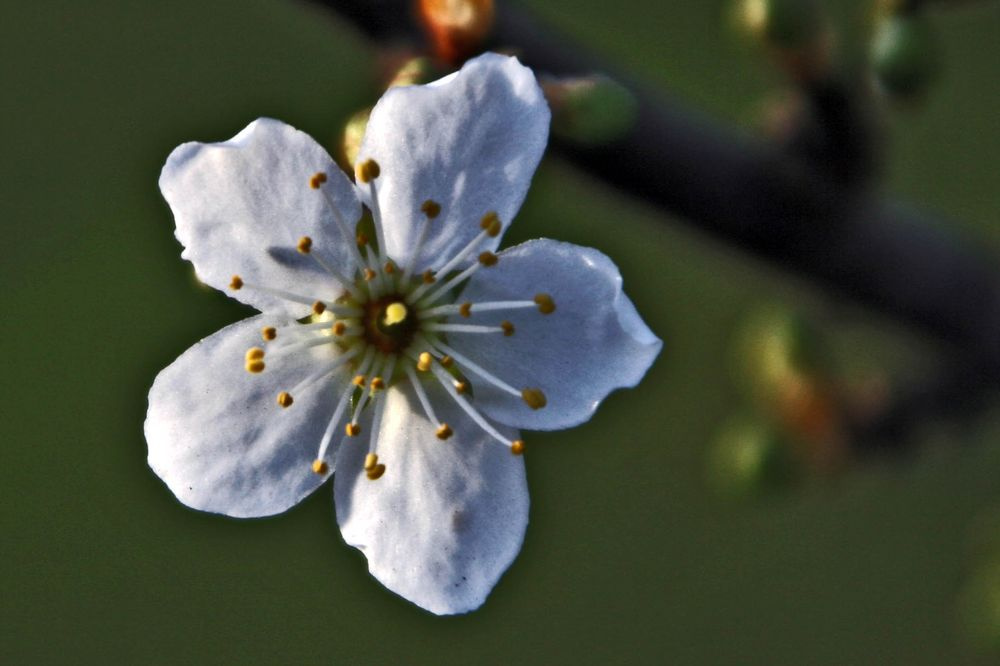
x=545 y=303
x=269 y=333
x=376 y=472
x=362 y=239
x=508 y=328
x=443 y=431
x=461 y=387
x=488 y=259
x=368 y=171
x=359 y=380
x=254 y=354
x=534 y=397
x=369 y=275
x=320 y=467
x=390 y=268
x=352 y=429
x=430 y=208
x=339 y=328
x=428 y=277
x=319 y=307
x=305 y=245
x=317 y=180
x=370 y=461
x=394 y=313
x=285 y=399
x=517 y=447
x=491 y=224
x=446 y=361
x=377 y=384
x=424 y=362
x=254 y=367
x=465 y=309
x=236 y=283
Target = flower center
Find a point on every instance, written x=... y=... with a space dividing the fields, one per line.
x=389 y=325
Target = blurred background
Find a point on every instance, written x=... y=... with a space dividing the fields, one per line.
x=693 y=520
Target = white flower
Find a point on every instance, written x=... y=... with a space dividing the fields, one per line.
x=429 y=352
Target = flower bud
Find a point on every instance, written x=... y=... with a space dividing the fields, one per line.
x=750 y=458
x=354 y=132
x=415 y=71
x=775 y=346
x=904 y=55
x=590 y=110
x=457 y=28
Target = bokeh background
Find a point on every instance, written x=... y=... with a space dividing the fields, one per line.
x=630 y=557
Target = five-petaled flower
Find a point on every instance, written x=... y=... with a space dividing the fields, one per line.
x=408 y=362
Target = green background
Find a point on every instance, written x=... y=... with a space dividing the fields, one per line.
x=628 y=558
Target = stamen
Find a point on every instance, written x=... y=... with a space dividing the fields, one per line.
x=467 y=328
x=318 y=179
x=508 y=328
x=254 y=354
x=320 y=467
x=488 y=306
x=534 y=397
x=370 y=461
x=430 y=209
x=282 y=294
x=491 y=227
x=460 y=386
x=373 y=468
x=517 y=447
x=395 y=313
x=304 y=245
x=428 y=277
x=490 y=223
x=254 y=367
x=488 y=259
x=319 y=307
x=352 y=429
x=424 y=361
x=443 y=432
x=342 y=403
x=376 y=473
x=473 y=367
x=340 y=221
x=285 y=399
x=268 y=333
x=545 y=303
x=450 y=284
x=377 y=384
x=236 y=283
x=368 y=172
x=445 y=380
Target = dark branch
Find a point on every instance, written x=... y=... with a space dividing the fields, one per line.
x=810 y=220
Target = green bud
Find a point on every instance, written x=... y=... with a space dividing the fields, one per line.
x=354 y=132
x=590 y=110
x=784 y=24
x=750 y=458
x=774 y=345
x=904 y=55
x=414 y=71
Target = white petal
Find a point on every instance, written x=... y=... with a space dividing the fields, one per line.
x=470 y=141
x=217 y=435
x=446 y=519
x=242 y=205
x=593 y=343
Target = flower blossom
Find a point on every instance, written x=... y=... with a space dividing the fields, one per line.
x=408 y=362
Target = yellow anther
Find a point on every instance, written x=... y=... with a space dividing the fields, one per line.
x=305 y=245
x=446 y=361
x=319 y=307
x=362 y=239
x=394 y=313
x=488 y=259
x=254 y=354
x=491 y=224
x=339 y=328
x=517 y=447
x=443 y=431
x=320 y=467
x=377 y=384
x=285 y=399
x=390 y=268
x=359 y=380
x=352 y=429
x=508 y=328
x=269 y=333
x=424 y=362
x=461 y=386
x=317 y=179
x=430 y=208
x=428 y=277
x=254 y=367
x=375 y=473
x=545 y=303
x=369 y=275
x=370 y=461
x=465 y=309
x=534 y=397
x=236 y=283
x=368 y=171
